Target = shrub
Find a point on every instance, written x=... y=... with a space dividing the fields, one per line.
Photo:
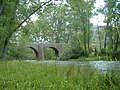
x=116 y=55
x=72 y=54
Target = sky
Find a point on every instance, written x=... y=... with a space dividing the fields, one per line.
x=95 y=20
x=99 y=18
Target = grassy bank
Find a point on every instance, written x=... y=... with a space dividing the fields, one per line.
x=19 y=75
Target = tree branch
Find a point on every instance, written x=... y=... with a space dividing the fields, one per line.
x=29 y=16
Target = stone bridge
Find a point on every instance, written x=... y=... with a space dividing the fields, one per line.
x=39 y=49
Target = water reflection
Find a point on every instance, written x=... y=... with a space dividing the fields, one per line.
x=106 y=65
x=99 y=65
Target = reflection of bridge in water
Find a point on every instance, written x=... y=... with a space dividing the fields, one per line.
x=39 y=49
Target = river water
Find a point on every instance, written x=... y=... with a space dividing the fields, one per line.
x=99 y=65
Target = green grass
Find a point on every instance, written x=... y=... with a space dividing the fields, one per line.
x=20 y=75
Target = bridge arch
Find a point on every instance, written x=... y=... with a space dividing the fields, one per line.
x=35 y=51
x=55 y=50
x=51 y=53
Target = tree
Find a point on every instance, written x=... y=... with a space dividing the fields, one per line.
x=51 y=27
x=9 y=18
x=83 y=13
x=111 y=12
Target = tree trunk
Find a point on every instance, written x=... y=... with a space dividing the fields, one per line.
x=84 y=37
x=99 y=39
x=105 y=41
x=88 y=33
x=5 y=47
x=116 y=43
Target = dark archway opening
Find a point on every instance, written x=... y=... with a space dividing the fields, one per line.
x=34 y=54
x=51 y=53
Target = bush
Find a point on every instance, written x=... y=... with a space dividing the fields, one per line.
x=72 y=54
x=65 y=56
x=116 y=55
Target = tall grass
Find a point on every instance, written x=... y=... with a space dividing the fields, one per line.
x=19 y=75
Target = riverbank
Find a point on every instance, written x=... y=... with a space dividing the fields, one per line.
x=20 y=75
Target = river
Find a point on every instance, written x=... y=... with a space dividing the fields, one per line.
x=99 y=65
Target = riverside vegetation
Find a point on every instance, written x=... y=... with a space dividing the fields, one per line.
x=20 y=75
x=68 y=23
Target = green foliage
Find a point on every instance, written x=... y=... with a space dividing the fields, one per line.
x=12 y=18
x=65 y=55
x=19 y=51
x=72 y=52
x=19 y=75
x=50 y=54
x=111 y=11
x=116 y=55
x=51 y=26
x=63 y=23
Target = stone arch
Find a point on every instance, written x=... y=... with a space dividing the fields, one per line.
x=50 y=53
x=36 y=52
x=56 y=50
